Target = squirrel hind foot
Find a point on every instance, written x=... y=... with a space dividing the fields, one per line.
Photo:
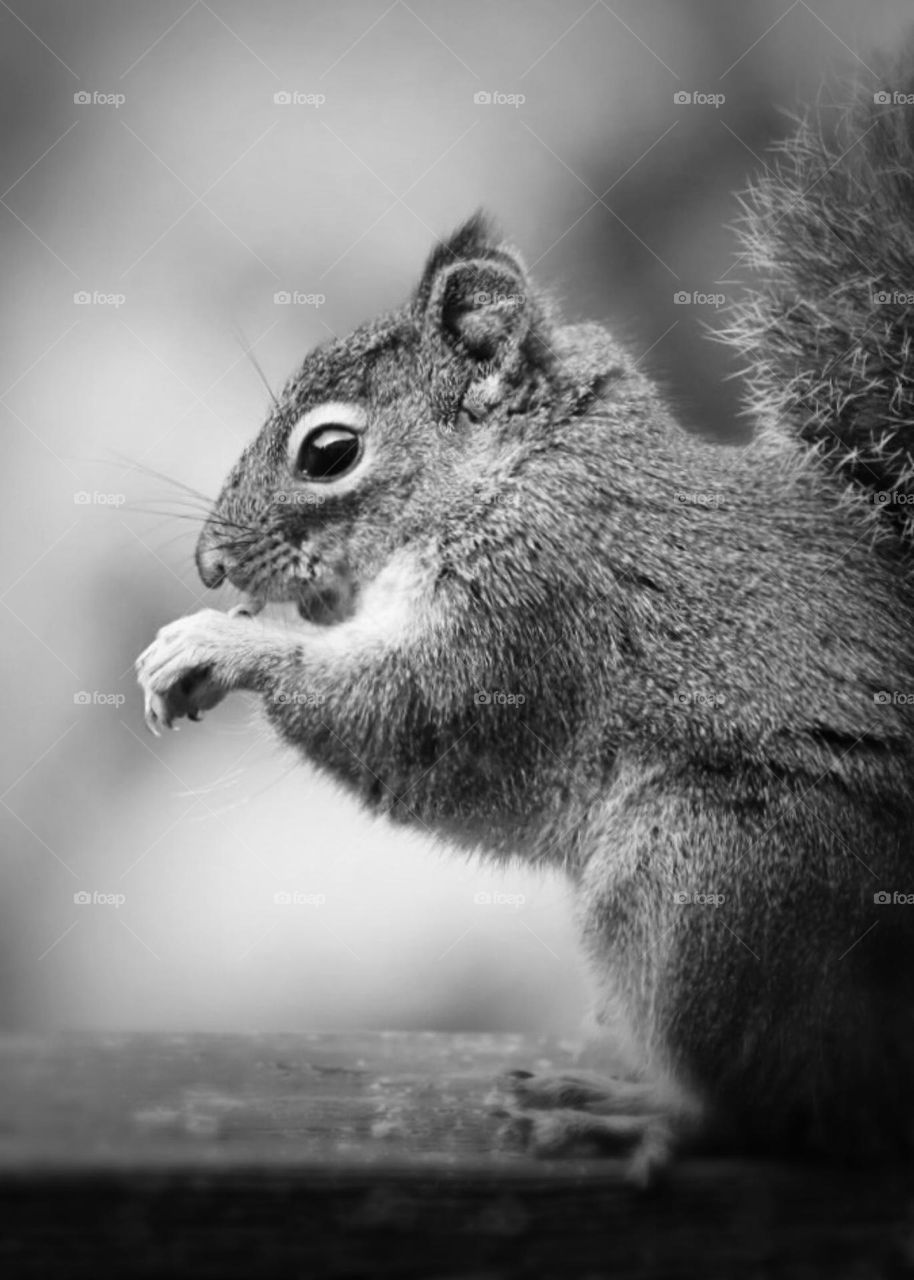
x=647 y=1143
x=580 y=1116
x=600 y=1095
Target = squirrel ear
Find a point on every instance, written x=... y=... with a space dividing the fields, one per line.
x=474 y=292
x=482 y=305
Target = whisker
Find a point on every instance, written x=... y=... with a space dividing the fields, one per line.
x=168 y=543
x=249 y=352
x=240 y=532
x=171 y=515
x=136 y=464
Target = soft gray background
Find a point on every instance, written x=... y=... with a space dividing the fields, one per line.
x=197 y=199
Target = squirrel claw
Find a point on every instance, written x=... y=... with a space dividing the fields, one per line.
x=190 y=696
x=152 y=716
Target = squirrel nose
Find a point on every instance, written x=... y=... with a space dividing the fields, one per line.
x=211 y=564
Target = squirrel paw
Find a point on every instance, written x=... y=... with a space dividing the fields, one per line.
x=561 y=1116
x=600 y=1095
x=192 y=664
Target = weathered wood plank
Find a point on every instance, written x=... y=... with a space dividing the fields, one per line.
x=375 y=1155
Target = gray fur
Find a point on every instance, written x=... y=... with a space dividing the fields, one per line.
x=700 y=634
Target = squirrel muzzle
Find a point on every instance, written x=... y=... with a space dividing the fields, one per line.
x=210 y=558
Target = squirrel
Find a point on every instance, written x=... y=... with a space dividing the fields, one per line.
x=541 y=620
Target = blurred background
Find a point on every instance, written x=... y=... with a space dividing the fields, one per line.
x=180 y=182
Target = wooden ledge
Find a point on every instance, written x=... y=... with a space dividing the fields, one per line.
x=375 y=1155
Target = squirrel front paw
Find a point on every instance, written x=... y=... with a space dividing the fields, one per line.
x=193 y=663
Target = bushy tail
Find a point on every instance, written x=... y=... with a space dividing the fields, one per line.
x=827 y=329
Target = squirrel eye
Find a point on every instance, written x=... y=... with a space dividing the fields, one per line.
x=328 y=452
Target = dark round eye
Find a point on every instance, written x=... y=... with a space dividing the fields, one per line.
x=328 y=452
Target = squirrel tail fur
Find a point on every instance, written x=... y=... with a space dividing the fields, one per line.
x=827 y=334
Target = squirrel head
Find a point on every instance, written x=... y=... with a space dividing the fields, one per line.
x=384 y=436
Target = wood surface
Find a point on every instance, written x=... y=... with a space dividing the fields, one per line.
x=377 y=1154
